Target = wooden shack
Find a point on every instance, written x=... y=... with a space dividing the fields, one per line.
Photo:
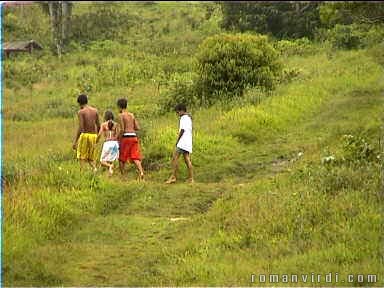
x=20 y=46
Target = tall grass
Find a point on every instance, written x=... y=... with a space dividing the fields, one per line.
x=322 y=80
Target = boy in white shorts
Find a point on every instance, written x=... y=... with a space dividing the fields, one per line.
x=110 y=151
x=183 y=144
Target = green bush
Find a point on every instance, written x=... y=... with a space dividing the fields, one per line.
x=345 y=37
x=228 y=64
x=357 y=149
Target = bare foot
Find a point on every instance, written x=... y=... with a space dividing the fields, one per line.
x=190 y=181
x=110 y=171
x=140 y=177
x=171 y=180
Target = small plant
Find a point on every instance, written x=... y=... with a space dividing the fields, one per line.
x=357 y=149
x=289 y=74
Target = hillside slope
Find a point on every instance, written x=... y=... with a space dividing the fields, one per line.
x=269 y=197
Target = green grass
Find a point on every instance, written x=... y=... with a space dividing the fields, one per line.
x=256 y=207
x=265 y=200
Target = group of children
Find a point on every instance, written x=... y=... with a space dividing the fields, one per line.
x=121 y=141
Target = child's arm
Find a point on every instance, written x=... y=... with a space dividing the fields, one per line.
x=180 y=134
x=100 y=132
x=121 y=126
x=97 y=121
x=78 y=132
x=117 y=130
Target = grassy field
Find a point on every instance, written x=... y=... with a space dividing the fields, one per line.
x=286 y=182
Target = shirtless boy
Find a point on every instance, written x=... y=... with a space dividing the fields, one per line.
x=86 y=135
x=129 y=143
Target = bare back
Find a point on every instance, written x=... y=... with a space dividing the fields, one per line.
x=109 y=134
x=128 y=122
x=88 y=120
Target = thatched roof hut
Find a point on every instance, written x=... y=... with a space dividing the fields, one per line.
x=21 y=46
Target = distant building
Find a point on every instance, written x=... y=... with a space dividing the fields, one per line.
x=20 y=46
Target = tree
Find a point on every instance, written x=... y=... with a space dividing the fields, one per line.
x=345 y=13
x=60 y=17
x=289 y=19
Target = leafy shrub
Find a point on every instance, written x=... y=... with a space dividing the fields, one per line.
x=357 y=149
x=227 y=64
x=352 y=36
x=371 y=35
x=345 y=37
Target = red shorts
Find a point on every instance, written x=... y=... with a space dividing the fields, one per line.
x=129 y=149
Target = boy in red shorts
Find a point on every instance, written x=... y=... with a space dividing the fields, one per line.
x=129 y=143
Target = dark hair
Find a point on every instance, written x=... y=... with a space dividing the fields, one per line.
x=82 y=99
x=122 y=103
x=181 y=107
x=108 y=116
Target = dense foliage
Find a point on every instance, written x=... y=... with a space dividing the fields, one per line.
x=343 y=12
x=281 y=19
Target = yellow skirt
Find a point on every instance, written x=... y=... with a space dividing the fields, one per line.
x=86 y=146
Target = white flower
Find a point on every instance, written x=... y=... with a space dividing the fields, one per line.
x=327 y=159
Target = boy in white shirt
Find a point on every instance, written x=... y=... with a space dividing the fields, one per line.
x=183 y=144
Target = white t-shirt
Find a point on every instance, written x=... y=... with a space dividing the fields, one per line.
x=185 y=141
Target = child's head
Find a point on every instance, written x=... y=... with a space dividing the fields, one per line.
x=180 y=108
x=82 y=99
x=108 y=115
x=122 y=103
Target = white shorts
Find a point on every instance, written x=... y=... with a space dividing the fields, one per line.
x=110 y=151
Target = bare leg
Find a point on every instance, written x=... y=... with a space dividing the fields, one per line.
x=175 y=166
x=121 y=166
x=109 y=165
x=187 y=159
x=140 y=168
x=93 y=165
x=82 y=164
